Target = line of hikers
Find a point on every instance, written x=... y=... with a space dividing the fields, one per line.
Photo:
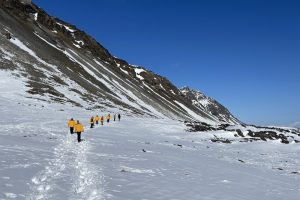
x=77 y=127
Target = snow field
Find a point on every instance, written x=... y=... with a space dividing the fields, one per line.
x=40 y=160
x=180 y=166
x=137 y=158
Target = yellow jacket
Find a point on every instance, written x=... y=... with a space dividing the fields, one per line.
x=96 y=118
x=71 y=123
x=79 y=128
x=92 y=120
x=108 y=117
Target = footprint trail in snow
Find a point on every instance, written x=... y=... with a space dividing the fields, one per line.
x=70 y=165
x=87 y=178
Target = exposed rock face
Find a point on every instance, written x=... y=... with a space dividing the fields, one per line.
x=60 y=63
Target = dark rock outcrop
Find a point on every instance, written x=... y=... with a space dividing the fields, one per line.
x=285 y=136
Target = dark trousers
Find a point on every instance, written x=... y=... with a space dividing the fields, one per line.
x=97 y=122
x=108 y=121
x=92 y=125
x=101 y=122
x=79 y=136
x=71 y=130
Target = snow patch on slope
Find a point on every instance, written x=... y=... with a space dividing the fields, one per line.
x=35 y=15
x=52 y=45
x=80 y=42
x=194 y=115
x=22 y=46
x=5 y=54
x=124 y=71
x=66 y=27
x=63 y=89
x=138 y=71
x=76 y=45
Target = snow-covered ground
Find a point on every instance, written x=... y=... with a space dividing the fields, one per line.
x=136 y=158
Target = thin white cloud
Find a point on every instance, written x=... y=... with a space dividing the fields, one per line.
x=296 y=124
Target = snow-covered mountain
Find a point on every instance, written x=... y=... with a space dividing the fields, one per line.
x=61 y=64
x=209 y=105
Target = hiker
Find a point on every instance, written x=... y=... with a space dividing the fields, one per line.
x=71 y=124
x=102 y=120
x=119 y=116
x=92 y=122
x=114 y=117
x=79 y=129
x=108 y=118
x=97 y=119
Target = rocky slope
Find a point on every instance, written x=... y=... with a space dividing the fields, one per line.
x=209 y=105
x=246 y=133
x=61 y=64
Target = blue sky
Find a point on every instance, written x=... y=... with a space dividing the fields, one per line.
x=243 y=53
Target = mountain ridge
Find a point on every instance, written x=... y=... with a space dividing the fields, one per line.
x=209 y=104
x=60 y=55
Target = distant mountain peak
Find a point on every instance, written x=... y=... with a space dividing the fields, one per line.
x=208 y=104
x=185 y=89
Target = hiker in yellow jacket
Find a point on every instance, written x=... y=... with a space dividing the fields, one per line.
x=97 y=119
x=79 y=129
x=71 y=125
x=92 y=121
x=102 y=120
x=108 y=118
